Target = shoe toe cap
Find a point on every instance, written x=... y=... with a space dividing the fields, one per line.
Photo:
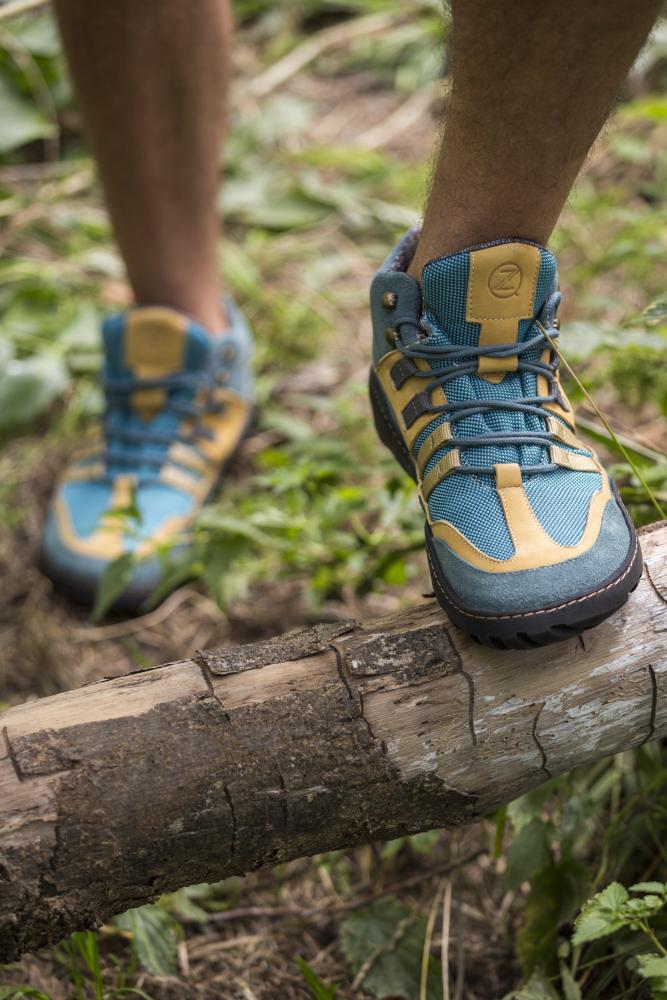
x=546 y=586
x=79 y=544
x=78 y=575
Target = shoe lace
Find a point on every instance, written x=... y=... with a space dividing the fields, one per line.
x=451 y=361
x=127 y=445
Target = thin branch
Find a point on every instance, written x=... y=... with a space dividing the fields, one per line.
x=428 y=938
x=444 y=947
x=249 y=912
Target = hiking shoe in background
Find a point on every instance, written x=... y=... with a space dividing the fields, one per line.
x=178 y=402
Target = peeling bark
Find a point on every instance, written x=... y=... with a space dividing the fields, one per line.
x=324 y=738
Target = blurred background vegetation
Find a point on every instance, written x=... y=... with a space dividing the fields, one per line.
x=336 y=107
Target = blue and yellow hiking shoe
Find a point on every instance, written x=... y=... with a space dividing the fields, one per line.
x=178 y=404
x=527 y=540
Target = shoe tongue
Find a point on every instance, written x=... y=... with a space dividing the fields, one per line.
x=487 y=294
x=152 y=343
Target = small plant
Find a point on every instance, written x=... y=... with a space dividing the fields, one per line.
x=614 y=912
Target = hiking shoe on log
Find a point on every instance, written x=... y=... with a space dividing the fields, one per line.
x=527 y=540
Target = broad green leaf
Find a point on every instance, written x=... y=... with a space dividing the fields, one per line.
x=555 y=895
x=571 y=988
x=529 y=806
x=185 y=903
x=390 y=931
x=538 y=987
x=112 y=584
x=28 y=387
x=153 y=937
x=21 y=121
x=601 y=915
x=527 y=854
x=38 y=34
x=644 y=908
x=658 y=888
x=652 y=966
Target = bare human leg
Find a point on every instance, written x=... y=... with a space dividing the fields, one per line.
x=532 y=85
x=152 y=81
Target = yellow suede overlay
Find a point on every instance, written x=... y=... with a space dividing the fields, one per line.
x=154 y=344
x=543 y=390
x=501 y=292
x=440 y=436
x=447 y=464
x=533 y=547
x=106 y=542
x=227 y=427
x=571 y=460
x=399 y=398
x=563 y=434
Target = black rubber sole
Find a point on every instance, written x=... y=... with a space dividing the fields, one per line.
x=134 y=599
x=534 y=626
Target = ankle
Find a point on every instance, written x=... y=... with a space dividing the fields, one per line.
x=444 y=244
x=208 y=313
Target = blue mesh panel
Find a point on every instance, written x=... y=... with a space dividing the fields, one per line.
x=471 y=504
x=561 y=500
x=445 y=286
x=445 y=291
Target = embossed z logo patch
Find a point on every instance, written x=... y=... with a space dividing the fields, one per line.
x=505 y=280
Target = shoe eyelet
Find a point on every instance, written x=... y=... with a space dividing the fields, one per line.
x=389 y=300
x=391 y=336
x=228 y=353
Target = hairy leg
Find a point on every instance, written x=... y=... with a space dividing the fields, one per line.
x=532 y=85
x=151 y=77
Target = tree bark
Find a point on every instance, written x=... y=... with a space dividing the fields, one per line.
x=323 y=738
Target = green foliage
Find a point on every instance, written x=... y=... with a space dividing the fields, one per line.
x=80 y=954
x=538 y=987
x=303 y=514
x=21 y=120
x=613 y=911
x=321 y=504
x=386 y=941
x=153 y=936
x=528 y=852
x=112 y=584
x=14 y=992
x=28 y=387
x=318 y=989
x=33 y=84
x=418 y=843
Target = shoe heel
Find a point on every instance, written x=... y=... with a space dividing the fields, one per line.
x=386 y=427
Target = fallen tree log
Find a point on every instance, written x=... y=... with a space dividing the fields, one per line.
x=324 y=738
